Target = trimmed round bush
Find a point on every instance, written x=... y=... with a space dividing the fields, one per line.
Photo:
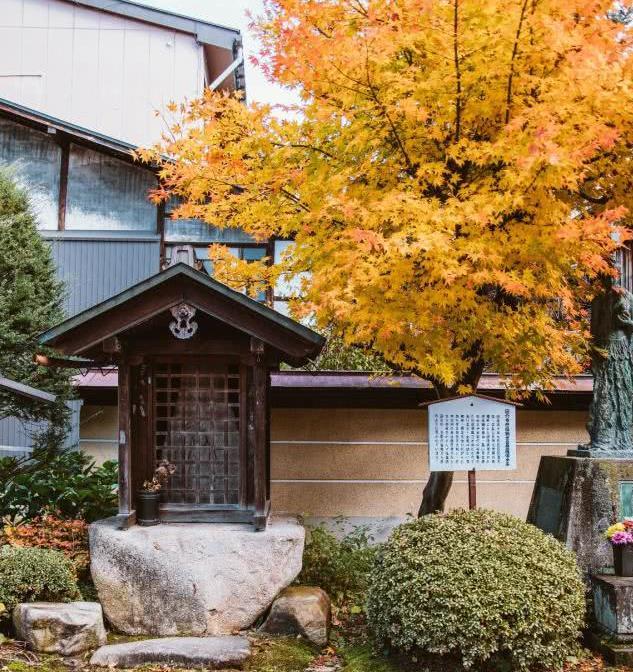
x=477 y=586
x=35 y=574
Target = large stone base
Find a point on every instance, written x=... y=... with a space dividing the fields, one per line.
x=191 y=579
x=576 y=499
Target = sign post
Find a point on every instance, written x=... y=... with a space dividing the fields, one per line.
x=472 y=432
x=472 y=490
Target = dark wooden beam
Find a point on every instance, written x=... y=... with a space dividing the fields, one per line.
x=112 y=345
x=64 y=362
x=63 y=184
x=160 y=228
x=195 y=346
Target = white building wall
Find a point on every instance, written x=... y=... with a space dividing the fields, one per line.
x=95 y=69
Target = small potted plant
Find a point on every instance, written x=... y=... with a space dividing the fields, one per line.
x=621 y=537
x=148 y=498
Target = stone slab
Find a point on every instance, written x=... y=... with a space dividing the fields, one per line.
x=213 y=653
x=614 y=653
x=66 y=628
x=575 y=499
x=192 y=578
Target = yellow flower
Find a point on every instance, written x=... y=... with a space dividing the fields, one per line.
x=617 y=527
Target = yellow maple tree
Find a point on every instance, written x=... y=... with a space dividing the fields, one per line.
x=455 y=179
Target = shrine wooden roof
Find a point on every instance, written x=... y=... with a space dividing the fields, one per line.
x=79 y=335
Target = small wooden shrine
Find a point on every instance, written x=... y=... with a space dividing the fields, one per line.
x=194 y=358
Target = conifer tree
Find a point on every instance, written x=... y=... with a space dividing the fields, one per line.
x=30 y=302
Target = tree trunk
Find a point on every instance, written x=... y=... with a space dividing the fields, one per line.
x=435 y=492
x=439 y=484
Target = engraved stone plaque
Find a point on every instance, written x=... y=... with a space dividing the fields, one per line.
x=626 y=499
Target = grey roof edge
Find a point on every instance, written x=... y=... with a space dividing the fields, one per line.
x=127 y=236
x=205 y=32
x=121 y=147
x=23 y=390
x=183 y=269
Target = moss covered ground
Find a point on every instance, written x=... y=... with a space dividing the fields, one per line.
x=283 y=654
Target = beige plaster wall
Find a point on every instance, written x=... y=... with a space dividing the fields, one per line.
x=98 y=432
x=373 y=463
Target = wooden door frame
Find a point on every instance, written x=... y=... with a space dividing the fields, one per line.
x=182 y=512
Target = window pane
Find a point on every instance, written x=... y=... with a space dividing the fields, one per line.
x=107 y=194
x=35 y=159
x=287 y=285
x=197 y=231
x=202 y=255
x=253 y=253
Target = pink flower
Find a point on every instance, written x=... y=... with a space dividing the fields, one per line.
x=620 y=538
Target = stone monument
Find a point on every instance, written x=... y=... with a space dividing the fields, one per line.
x=577 y=497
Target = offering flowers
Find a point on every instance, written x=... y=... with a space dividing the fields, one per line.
x=621 y=533
x=163 y=471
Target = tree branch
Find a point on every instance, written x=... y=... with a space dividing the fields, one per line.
x=387 y=116
x=305 y=146
x=458 y=72
x=515 y=51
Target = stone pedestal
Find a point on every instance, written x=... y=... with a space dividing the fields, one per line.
x=191 y=578
x=613 y=614
x=576 y=499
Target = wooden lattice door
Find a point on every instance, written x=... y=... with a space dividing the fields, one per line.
x=198 y=425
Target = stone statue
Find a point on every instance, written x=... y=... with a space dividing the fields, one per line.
x=610 y=424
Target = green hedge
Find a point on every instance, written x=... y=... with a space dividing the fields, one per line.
x=477 y=586
x=35 y=574
x=340 y=566
x=68 y=484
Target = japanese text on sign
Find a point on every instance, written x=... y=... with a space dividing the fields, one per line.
x=472 y=433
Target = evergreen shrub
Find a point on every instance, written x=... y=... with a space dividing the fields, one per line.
x=68 y=484
x=480 y=587
x=340 y=566
x=35 y=574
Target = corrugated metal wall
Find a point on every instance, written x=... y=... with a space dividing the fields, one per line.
x=96 y=69
x=95 y=267
x=16 y=436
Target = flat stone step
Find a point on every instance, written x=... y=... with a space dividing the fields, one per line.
x=212 y=653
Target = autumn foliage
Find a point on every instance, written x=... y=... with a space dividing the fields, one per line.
x=455 y=181
x=49 y=531
x=456 y=177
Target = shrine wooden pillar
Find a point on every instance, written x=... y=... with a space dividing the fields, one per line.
x=127 y=515
x=260 y=433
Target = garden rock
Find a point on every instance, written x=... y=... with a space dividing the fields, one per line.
x=301 y=610
x=209 y=652
x=192 y=579
x=57 y=627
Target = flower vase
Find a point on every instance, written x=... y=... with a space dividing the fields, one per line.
x=147 y=508
x=623 y=559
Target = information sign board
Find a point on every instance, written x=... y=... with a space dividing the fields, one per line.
x=472 y=432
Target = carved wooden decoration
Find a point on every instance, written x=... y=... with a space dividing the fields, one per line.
x=183 y=325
